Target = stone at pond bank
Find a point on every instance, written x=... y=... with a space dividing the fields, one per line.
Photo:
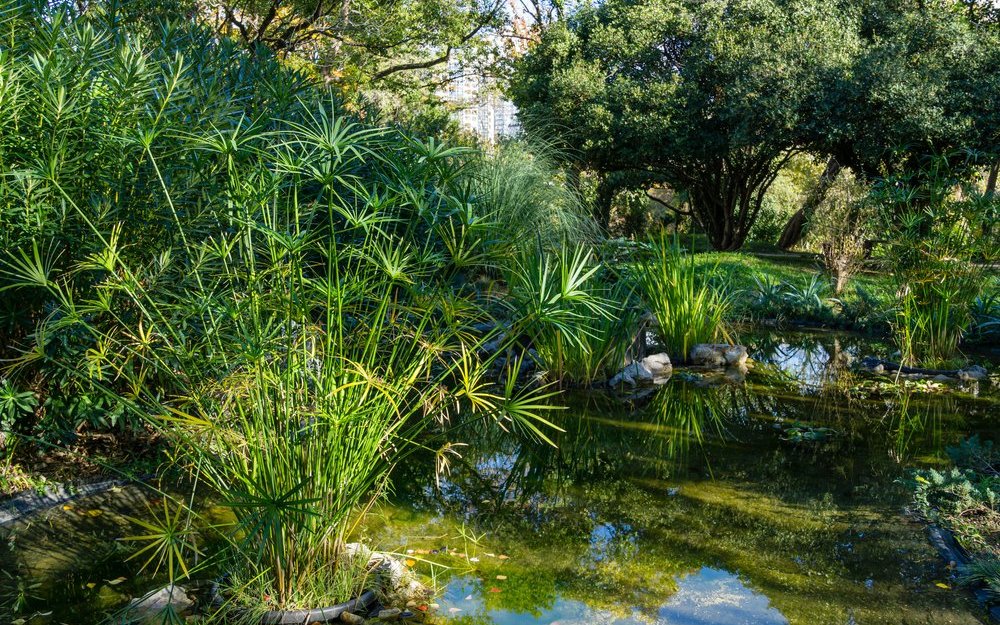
x=351 y=619
x=973 y=373
x=151 y=607
x=399 y=585
x=655 y=369
x=718 y=355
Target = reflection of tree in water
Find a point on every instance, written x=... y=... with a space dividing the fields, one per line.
x=813 y=360
x=604 y=438
x=625 y=505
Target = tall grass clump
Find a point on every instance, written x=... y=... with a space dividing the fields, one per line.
x=580 y=321
x=278 y=294
x=99 y=110
x=521 y=188
x=687 y=307
x=293 y=360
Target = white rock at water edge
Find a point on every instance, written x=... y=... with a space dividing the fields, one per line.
x=718 y=355
x=150 y=607
x=650 y=370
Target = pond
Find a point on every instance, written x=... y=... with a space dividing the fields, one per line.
x=711 y=500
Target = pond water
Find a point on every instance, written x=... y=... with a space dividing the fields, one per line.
x=710 y=501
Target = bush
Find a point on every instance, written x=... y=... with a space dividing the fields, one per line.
x=841 y=229
x=937 y=247
x=580 y=323
x=209 y=247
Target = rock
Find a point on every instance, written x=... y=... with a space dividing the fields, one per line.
x=635 y=373
x=492 y=347
x=973 y=373
x=150 y=607
x=736 y=355
x=398 y=582
x=351 y=618
x=391 y=614
x=707 y=355
x=879 y=368
x=718 y=355
x=659 y=365
x=736 y=374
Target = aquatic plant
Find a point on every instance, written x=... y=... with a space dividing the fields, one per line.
x=579 y=324
x=937 y=246
x=687 y=307
x=293 y=356
x=519 y=186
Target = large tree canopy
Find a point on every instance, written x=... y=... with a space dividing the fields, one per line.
x=711 y=97
x=361 y=40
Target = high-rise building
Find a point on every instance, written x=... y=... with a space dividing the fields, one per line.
x=479 y=106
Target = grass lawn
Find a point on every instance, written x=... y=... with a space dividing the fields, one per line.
x=795 y=268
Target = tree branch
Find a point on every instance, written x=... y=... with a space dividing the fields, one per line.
x=667 y=204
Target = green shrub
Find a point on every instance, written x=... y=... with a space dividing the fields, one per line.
x=203 y=244
x=937 y=244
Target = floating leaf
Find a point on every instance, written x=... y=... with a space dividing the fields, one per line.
x=115 y=581
x=501 y=577
x=942 y=585
x=409 y=562
x=495 y=589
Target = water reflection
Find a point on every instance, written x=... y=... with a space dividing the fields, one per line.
x=706 y=596
x=695 y=506
x=720 y=598
x=690 y=506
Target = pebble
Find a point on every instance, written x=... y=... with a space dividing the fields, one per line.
x=351 y=619
x=390 y=614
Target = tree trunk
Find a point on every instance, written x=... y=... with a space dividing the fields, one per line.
x=602 y=211
x=991 y=180
x=795 y=228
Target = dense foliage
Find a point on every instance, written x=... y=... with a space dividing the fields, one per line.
x=712 y=98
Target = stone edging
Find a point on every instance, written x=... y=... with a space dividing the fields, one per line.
x=949 y=549
x=31 y=502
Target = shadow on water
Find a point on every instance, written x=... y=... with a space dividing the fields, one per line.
x=777 y=500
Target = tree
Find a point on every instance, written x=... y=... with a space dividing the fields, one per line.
x=710 y=98
x=923 y=82
x=360 y=40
